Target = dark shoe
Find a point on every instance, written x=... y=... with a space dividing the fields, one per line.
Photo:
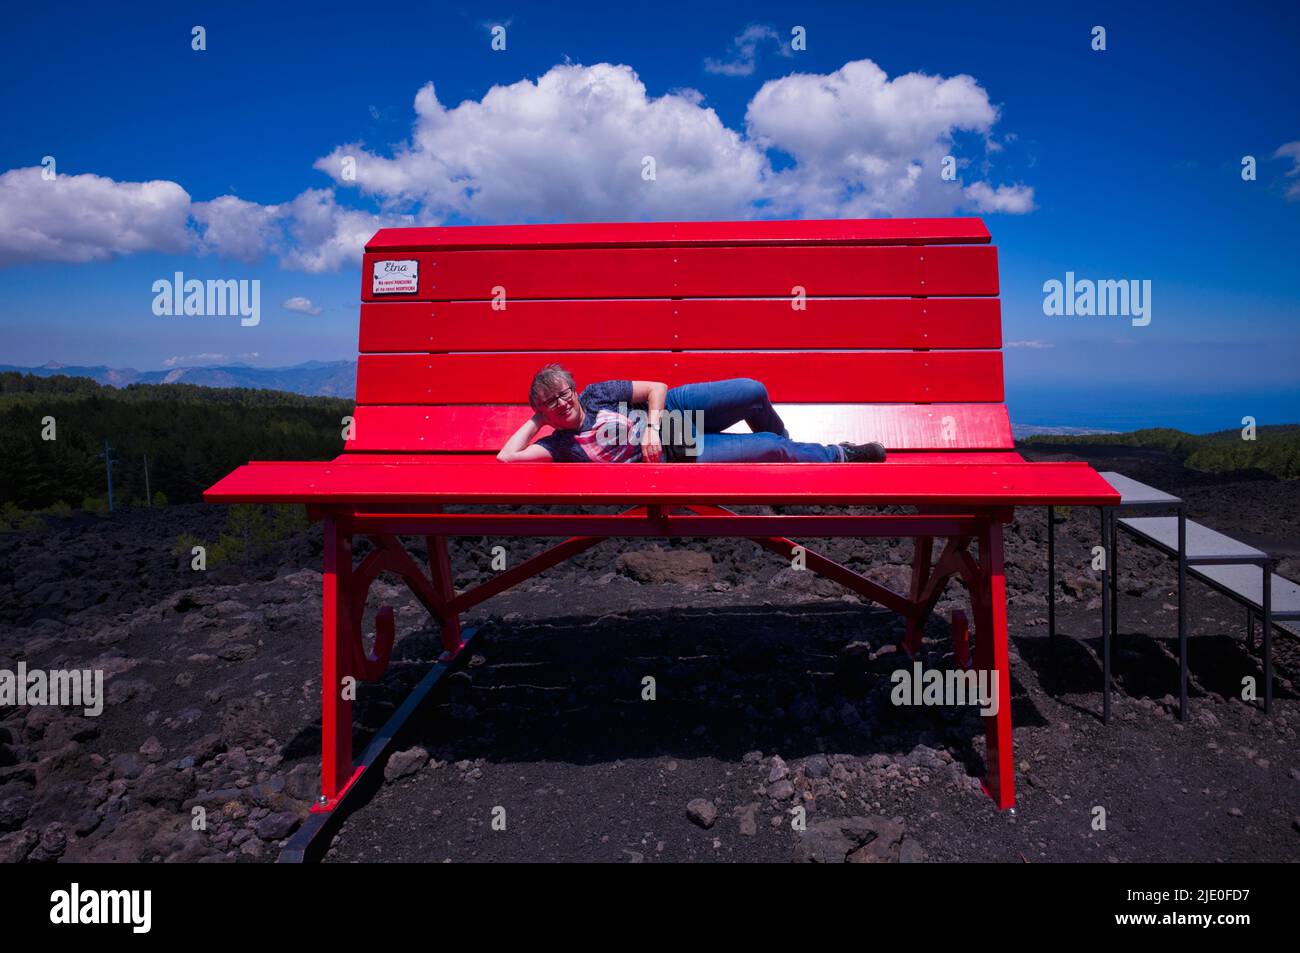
x=863 y=452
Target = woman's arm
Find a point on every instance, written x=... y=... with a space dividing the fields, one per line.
x=519 y=448
x=652 y=394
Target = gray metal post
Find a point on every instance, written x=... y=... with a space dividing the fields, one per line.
x=1182 y=621
x=148 y=497
x=1113 y=566
x=1105 y=618
x=1051 y=576
x=1268 y=635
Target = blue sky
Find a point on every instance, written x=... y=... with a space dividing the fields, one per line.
x=1123 y=163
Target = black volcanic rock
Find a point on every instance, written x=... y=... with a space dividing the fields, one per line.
x=754 y=659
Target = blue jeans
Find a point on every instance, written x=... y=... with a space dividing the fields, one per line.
x=721 y=404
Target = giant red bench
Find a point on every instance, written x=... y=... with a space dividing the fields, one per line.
x=861 y=330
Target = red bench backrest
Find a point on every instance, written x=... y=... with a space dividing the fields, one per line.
x=899 y=338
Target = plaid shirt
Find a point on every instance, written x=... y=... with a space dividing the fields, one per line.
x=597 y=439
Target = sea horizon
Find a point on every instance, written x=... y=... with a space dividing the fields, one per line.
x=1122 y=408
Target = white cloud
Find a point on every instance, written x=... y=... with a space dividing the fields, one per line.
x=744 y=51
x=1032 y=345
x=1013 y=199
x=311 y=232
x=324 y=235
x=80 y=218
x=186 y=360
x=1291 y=150
x=865 y=145
x=568 y=147
x=234 y=228
x=301 y=305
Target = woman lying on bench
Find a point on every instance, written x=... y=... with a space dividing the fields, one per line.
x=623 y=421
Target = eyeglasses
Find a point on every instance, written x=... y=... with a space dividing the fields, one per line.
x=565 y=395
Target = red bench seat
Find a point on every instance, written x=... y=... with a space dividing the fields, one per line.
x=957 y=484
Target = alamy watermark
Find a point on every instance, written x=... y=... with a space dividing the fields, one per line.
x=1124 y=297
x=77 y=688
x=935 y=687
x=627 y=426
x=76 y=906
x=191 y=296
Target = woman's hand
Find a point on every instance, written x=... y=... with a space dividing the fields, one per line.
x=651 y=449
x=520 y=448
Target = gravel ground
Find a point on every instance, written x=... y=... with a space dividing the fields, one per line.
x=771 y=694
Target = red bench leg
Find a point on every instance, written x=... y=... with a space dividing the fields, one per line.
x=336 y=653
x=961 y=640
x=449 y=620
x=922 y=551
x=991 y=655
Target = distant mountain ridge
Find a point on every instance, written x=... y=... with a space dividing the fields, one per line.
x=1021 y=431
x=311 y=378
x=317 y=379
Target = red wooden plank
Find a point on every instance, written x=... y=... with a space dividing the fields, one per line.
x=759 y=483
x=900 y=426
x=757 y=271
x=402 y=522
x=790 y=376
x=489 y=378
x=392 y=326
x=663 y=324
x=477 y=427
x=890 y=231
x=435 y=429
